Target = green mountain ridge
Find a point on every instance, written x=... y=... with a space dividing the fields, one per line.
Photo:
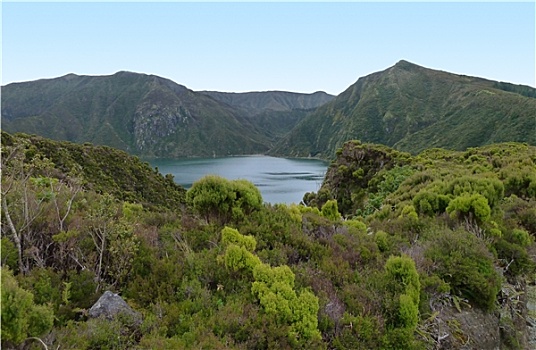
x=141 y=114
x=407 y=107
x=259 y=101
x=412 y=108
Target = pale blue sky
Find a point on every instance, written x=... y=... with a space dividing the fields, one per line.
x=303 y=47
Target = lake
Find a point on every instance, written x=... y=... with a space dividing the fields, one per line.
x=280 y=180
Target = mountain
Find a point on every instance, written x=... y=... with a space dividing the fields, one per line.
x=143 y=114
x=412 y=108
x=281 y=101
x=407 y=107
x=273 y=112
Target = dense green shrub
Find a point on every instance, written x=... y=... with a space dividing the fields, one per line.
x=464 y=262
x=330 y=210
x=21 y=316
x=472 y=206
x=223 y=200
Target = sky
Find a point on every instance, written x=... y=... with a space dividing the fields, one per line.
x=253 y=46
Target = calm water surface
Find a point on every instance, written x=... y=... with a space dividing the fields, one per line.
x=280 y=180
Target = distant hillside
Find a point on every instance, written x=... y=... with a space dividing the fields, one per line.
x=412 y=108
x=141 y=114
x=258 y=102
x=407 y=107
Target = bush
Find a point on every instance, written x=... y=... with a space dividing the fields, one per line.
x=521 y=237
x=464 y=262
x=21 y=317
x=232 y=236
x=466 y=205
x=219 y=199
x=330 y=210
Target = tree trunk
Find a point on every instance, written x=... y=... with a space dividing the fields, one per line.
x=16 y=236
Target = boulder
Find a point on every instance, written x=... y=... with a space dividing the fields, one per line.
x=110 y=305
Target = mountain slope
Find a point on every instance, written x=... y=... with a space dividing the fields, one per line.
x=413 y=108
x=142 y=114
x=258 y=102
x=97 y=168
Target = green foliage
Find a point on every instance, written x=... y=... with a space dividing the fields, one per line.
x=232 y=236
x=239 y=258
x=223 y=200
x=521 y=237
x=466 y=264
x=278 y=276
x=274 y=287
x=21 y=317
x=101 y=169
x=358 y=332
x=430 y=203
x=490 y=188
x=248 y=198
x=330 y=210
x=98 y=333
x=9 y=253
x=356 y=224
x=381 y=239
x=358 y=167
x=403 y=283
x=413 y=108
x=515 y=258
x=409 y=212
x=401 y=272
x=132 y=211
x=474 y=205
x=408 y=311
x=239 y=250
x=520 y=180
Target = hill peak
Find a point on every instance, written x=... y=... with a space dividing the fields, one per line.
x=406 y=65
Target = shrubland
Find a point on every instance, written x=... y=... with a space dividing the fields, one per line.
x=384 y=256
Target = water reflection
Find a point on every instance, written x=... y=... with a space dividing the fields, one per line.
x=280 y=180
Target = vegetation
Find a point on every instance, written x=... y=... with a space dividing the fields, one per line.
x=151 y=116
x=407 y=107
x=412 y=108
x=393 y=252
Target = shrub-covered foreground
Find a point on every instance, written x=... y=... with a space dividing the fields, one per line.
x=387 y=254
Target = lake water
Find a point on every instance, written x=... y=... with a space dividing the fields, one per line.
x=280 y=180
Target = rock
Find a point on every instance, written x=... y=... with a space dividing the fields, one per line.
x=531 y=315
x=469 y=329
x=110 y=305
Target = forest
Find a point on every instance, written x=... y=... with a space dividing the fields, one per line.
x=395 y=251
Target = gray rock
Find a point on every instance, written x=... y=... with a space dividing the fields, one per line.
x=111 y=305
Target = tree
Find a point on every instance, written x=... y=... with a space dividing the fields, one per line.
x=20 y=203
x=35 y=205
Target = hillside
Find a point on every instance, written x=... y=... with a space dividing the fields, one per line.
x=434 y=251
x=141 y=114
x=100 y=169
x=407 y=107
x=412 y=108
x=257 y=102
